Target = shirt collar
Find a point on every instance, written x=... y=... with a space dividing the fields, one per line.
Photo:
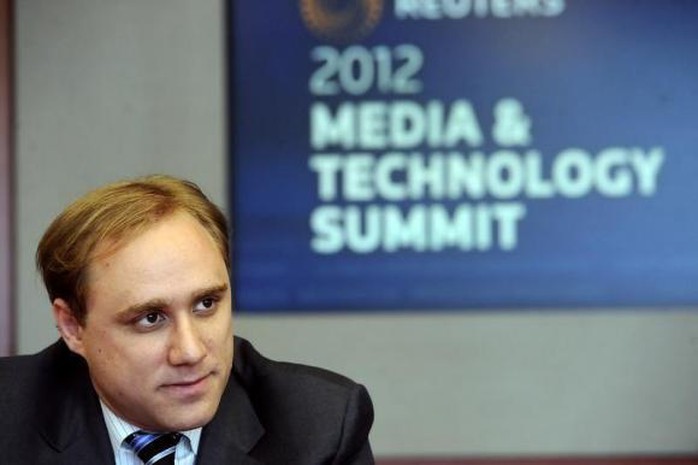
x=119 y=429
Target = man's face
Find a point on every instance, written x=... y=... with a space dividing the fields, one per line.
x=158 y=337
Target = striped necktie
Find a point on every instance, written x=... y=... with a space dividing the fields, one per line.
x=154 y=448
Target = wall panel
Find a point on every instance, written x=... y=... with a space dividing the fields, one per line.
x=6 y=290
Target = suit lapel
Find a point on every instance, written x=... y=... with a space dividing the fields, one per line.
x=72 y=423
x=233 y=432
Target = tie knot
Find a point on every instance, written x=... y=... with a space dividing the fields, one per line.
x=154 y=448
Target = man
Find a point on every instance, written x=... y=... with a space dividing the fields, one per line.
x=147 y=368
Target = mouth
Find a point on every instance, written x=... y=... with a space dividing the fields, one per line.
x=190 y=387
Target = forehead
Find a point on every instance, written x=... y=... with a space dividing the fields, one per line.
x=127 y=236
x=174 y=250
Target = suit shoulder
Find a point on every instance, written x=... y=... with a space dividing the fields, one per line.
x=24 y=375
x=303 y=391
x=23 y=383
x=255 y=367
x=305 y=408
x=18 y=371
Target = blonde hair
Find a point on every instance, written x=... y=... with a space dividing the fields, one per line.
x=110 y=216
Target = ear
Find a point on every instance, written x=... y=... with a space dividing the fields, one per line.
x=69 y=327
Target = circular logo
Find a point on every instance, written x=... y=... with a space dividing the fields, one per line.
x=341 y=20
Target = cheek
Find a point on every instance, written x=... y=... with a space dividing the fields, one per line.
x=119 y=360
x=98 y=348
x=220 y=334
x=223 y=322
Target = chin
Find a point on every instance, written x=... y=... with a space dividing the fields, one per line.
x=189 y=420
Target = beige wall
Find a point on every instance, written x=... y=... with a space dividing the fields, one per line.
x=108 y=89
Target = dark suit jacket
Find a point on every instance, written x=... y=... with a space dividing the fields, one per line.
x=270 y=413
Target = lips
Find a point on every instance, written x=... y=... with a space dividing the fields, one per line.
x=189 y=387
x=189 y=382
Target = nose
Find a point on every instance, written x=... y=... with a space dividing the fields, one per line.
x=186 y=345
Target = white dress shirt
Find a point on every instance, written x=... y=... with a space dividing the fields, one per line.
x=119 y=429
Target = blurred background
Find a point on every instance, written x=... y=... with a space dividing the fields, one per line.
x=554 y=319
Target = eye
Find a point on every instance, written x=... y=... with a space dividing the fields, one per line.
x=206 y=304
x=150 y=320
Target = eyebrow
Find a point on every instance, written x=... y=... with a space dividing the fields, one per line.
x=156 y=305
x=213 y=290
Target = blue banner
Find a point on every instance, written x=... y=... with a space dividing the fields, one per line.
x=463 y=154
